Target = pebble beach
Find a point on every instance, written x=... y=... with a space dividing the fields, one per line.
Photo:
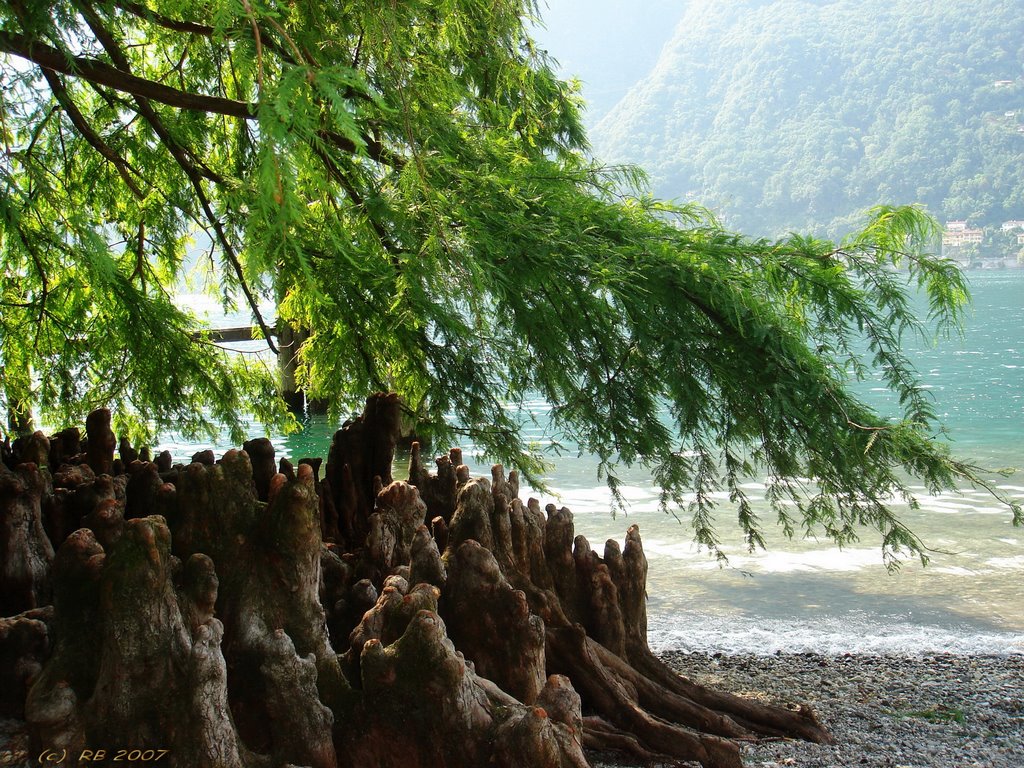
x=929 y=711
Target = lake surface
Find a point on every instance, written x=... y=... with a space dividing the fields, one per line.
x=806 y=594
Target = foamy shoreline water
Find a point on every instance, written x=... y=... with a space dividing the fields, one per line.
x=828 y=636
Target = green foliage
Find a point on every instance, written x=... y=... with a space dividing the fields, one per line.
x=409 y=184
x=797 y=116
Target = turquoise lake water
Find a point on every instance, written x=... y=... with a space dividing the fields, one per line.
x=806 y=594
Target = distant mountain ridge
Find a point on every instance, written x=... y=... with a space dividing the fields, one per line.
x=796 y=115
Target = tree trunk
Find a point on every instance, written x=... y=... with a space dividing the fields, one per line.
x=288 y=342
x=443 y=623
x=289 y=339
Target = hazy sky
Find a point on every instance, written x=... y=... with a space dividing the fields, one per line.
x=608 y=44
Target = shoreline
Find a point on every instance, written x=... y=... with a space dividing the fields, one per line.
x=846 y=631
x=936 y=710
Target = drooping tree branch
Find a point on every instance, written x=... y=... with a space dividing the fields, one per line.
x=120 y=79
x=100 y=72
x=205 y=30
x=374 y=148
x=93 y=138
x=175 y=25
x=454 y=146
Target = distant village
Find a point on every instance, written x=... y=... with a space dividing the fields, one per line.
x=984 y=247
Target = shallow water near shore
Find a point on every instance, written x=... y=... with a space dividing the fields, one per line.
x=806 y=595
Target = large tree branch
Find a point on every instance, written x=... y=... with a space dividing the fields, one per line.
x=101 y=73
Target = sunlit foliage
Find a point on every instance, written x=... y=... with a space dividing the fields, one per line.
x=409 y=183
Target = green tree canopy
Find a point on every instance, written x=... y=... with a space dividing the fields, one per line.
x=409 y=182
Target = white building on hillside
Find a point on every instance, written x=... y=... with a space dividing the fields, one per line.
x=957 y=234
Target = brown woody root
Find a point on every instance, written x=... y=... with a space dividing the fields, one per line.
x=244 y=613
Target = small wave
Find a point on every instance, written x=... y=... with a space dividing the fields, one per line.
x=1015 y=563
x=954 y=570
x=815 y=560
x=942 y=506
x=834 y=635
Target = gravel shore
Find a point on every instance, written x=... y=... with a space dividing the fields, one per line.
x=933 y=711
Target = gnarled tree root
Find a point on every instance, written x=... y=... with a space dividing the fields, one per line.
x=594 y=610
x=572 y=653
x=191 y=612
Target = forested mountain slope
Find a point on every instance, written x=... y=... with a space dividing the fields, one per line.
x=792 y=114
